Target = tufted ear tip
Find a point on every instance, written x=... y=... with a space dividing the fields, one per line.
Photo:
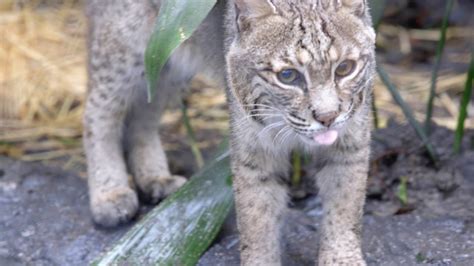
x=255 y=8
x=247 y=10
x=357 y=7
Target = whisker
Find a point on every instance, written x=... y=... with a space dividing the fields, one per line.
x=262 y=105
x=257 y=115
x=283 y=136
x=269 y=127
x=248 y=117
x=262 y=111
x=279 y=132
x=301 y=130
x=245 y=120
x=295 y=117
x=286 y=136
x=299 y=127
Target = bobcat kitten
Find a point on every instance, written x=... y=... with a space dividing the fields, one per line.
x=298 y=75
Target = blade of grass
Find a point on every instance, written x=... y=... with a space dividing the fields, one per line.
x=175 y=23
x=402 y=192
x=191 y=136
x=296 y=161
x=434 y=74
x=408 y=113
x=463 y=108
x=377 y=8
x=375 y=113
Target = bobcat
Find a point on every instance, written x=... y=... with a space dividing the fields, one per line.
x=298 y=75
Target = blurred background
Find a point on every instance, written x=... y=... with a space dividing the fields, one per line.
x=43 y=77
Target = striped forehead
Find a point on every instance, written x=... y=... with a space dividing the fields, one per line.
x=312 y=44
x=319 y=43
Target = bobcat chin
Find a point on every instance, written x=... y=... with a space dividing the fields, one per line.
x=299 y=76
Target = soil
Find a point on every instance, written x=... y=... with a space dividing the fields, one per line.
x=46 y=220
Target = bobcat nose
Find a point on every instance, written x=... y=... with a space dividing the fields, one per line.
x=325 y=119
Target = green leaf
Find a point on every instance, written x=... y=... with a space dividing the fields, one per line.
x=177 y=20
x=377 y=8
x=420 y=257
x=434 y=74
x=466 y=97
x=182 y=227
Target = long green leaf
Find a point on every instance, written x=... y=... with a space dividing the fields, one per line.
x=408 y=113
x=182 y=227
x=434 y=74
x=377 y=8
x=177 y=19
x=466 y=97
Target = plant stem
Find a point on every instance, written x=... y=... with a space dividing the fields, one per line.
x=434 y=74
x=296 y=161
x=463 y=108
x=408 y=114
x=191 y=136
x=402 y=192
x=375 y=114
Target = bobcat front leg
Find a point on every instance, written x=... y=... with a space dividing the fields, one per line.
x=342 y=184
x=260 y=202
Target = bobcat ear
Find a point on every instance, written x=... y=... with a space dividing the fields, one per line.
x=255 y=8
x=252 y=9
x=357 y=7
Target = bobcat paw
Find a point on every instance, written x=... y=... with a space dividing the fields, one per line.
x=115 y=206
x=159 y=188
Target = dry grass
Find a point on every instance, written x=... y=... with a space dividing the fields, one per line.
x=42 y=75
x=414 y=86
x=43 y=83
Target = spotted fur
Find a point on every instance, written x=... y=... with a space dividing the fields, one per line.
x=269 y=118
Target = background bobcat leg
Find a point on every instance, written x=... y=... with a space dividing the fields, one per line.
x=146 y=157
x=111 y=198
x=117 y=37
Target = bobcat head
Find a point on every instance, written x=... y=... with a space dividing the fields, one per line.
x=303 y=66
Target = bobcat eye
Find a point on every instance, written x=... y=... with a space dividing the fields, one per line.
x=345 y=68
x=289 y=76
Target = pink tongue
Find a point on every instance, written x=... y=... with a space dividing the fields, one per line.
x=326 y=138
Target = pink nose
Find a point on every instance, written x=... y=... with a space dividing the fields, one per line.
x=326 y=119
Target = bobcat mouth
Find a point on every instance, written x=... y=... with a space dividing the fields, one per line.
x=326 y=138
x=321 y=138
